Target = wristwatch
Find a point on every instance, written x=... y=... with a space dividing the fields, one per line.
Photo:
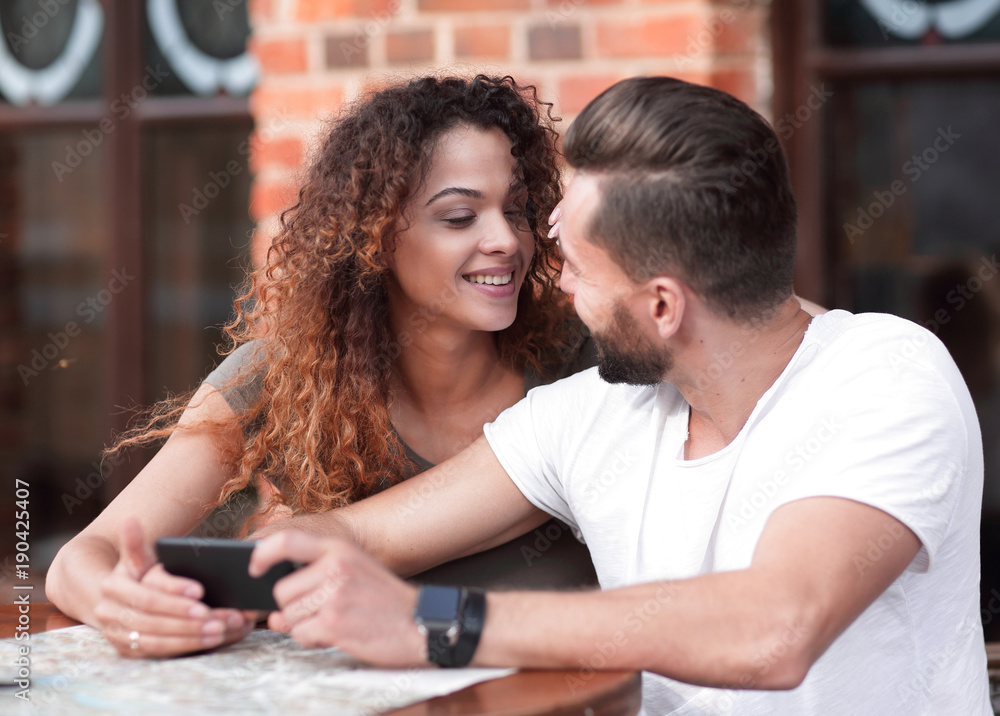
x=451 y=618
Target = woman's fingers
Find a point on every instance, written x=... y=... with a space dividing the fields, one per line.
x=146 y=611
x=159 y=578
x=136 y=554
x=138 y=643
x=140 y=620
x=121 y=589
x=120 y=620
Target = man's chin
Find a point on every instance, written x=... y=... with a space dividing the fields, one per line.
x=616 y=372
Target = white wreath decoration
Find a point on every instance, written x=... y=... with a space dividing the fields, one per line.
x=49 y=85
x=910 y=19
x=203 y=74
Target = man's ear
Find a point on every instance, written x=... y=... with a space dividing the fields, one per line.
x=667 y=302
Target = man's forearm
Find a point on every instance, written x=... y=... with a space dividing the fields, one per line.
x=716 y=630
x=321 y=524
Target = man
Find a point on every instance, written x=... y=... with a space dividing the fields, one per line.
x=782 y=510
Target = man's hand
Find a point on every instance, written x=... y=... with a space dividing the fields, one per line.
x=342 y=598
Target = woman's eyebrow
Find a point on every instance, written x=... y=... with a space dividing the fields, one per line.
x=452 y=190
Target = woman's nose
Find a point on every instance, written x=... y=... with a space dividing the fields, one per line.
x=501 y=237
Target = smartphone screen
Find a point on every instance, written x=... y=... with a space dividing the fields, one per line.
x=221 y=565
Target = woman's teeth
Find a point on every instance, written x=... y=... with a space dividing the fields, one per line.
x=492 y=280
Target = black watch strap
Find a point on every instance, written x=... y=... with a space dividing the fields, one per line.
x=472 y=618
x=451 y=641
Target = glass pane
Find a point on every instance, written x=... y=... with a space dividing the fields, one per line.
x=915 y=223
x=219 y=29
x=198 y=245
x=50 y=51
x=884 y=23
x=53 y=295
x=202 y=45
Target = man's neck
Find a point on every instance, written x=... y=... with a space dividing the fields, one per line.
x=724 y=374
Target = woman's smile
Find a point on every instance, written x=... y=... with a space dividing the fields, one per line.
x=467 y=235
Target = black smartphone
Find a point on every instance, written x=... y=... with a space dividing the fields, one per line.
x=220 y=565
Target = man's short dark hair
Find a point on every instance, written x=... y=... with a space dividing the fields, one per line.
x=694 y=184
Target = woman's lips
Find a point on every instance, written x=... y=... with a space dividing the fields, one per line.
x=492 y=285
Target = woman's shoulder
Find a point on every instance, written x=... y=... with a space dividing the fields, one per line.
x=239 y=377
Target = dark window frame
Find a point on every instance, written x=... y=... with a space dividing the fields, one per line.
x=801 y=61
x=123 y=68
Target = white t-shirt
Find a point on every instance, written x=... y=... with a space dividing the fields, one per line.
x=870 y=408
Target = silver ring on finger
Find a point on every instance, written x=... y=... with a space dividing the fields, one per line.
x=133 y=640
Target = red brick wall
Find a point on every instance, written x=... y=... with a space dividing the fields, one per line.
x=314 y=54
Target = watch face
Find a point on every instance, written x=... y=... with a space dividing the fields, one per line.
x=438 y=603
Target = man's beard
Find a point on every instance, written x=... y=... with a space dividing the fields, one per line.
x=626 y=355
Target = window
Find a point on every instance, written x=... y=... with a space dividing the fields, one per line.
x=897 y=182
x=124 y=148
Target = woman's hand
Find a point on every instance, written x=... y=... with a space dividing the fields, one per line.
x=145 y=611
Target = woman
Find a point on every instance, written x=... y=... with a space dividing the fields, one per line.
x=408 y=298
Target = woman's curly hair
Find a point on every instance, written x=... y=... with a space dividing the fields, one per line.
x=319 y=427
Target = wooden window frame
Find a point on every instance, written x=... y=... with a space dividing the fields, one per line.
x=123 y=65
x=802 y=61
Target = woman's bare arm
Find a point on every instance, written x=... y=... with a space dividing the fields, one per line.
x=95 y=579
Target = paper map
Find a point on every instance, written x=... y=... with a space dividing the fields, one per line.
x=75 y=671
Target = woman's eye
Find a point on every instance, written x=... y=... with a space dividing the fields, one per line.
x=517 y=212
x=459 y=220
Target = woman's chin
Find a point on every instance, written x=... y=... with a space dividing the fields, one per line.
x=494 y=323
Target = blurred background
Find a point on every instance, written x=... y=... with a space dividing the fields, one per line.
x=148 y=146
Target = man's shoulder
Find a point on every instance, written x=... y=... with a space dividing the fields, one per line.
x=835 y=324
x=878 y=358
x=876 y=336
